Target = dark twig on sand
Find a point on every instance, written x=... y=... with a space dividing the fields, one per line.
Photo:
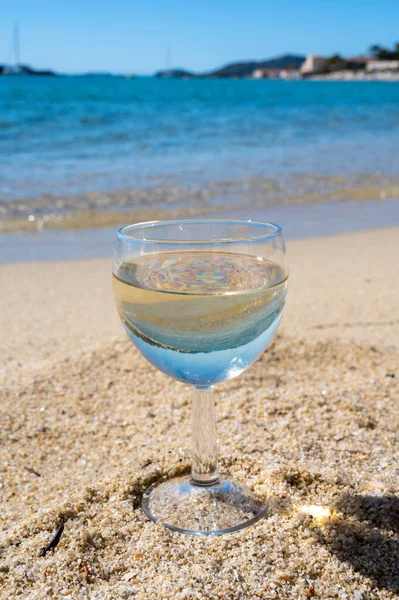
x=54 y=541
x=33 y=471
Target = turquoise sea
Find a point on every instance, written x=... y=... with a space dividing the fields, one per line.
x=69 y=143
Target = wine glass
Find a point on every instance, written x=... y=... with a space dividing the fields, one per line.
x=201 y=300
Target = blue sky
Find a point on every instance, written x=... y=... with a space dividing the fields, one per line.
x=141 y=36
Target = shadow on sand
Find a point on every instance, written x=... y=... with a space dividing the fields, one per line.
x=367 y=538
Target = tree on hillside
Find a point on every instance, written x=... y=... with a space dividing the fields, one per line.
x=338 y=63
x=381 y=53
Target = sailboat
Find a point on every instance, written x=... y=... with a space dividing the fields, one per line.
x=17 y=68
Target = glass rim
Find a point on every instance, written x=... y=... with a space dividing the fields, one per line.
x=276 y=231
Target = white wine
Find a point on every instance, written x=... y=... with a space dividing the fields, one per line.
x=201 y=317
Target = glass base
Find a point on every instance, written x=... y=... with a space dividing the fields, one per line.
x=183 y=506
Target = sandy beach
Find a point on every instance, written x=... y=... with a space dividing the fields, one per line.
x=311 y=428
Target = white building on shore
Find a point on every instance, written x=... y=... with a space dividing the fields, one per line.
x=313 y=65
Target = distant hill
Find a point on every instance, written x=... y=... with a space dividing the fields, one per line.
x=104 y=74
x=244 y=69
x=176 y=73
x=241 y=69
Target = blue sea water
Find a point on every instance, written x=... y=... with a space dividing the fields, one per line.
x=101 y=142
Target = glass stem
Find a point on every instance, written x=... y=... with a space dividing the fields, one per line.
x=204 y=466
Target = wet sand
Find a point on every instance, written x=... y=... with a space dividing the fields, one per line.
x=311 y=428
x=299 y=221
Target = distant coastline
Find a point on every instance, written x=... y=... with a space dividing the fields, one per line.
x=382 y=65
x=242 y=69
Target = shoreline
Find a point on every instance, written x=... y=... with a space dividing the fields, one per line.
x=100 y=209
x=299 y=221
x=355 y=76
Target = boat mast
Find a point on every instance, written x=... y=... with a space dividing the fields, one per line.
x=16 y=44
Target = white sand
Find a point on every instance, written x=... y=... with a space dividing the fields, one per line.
x=311 y=428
